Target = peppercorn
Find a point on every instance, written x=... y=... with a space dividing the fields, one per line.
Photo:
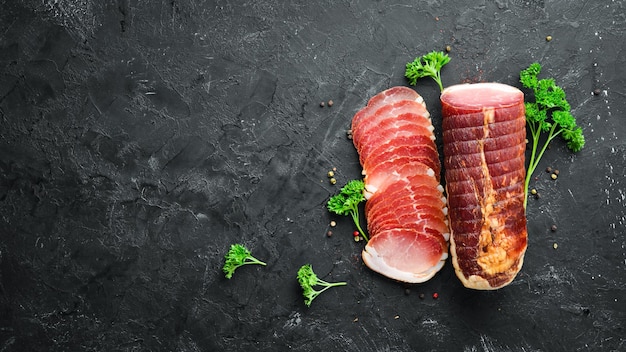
x=554 y=176
x=333 y=223
x=533 y=191
x=330 y=103
x=556 y=172
x=597 y=91
x=548 y=38
x=356 y=234
x=435 y=295
x=553 y=228
x=322 y=104
x=332 y=180
x=329 y=233
x=331 y=174
x=448 y=48
x=548 y=169
x=422 y=296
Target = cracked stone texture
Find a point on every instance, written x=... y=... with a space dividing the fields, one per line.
x=139 y=139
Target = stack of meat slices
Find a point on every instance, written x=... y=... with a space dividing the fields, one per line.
x=405 y=209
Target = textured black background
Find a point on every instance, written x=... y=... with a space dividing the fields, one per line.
x=139 y=139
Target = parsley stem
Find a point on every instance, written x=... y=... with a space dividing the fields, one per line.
x=532 y=164
x=252 y=260
x=536 y=157
x=438 y=80
x=329 y=284
x=357 y=222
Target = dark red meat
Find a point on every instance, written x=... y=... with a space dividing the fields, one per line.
x=384 y=98
x=484 y=142
x=396 y=112
x=406 y=208
x=405 y=254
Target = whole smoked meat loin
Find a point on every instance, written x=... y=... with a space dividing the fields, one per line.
x=484 y=135
x=405 y=208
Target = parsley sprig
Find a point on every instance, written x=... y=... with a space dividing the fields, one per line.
x=346 y=202
x=309 y=280
x=549 y=113
x=238 y=255
x=428 y=65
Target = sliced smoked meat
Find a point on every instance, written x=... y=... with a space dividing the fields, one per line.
x=404 y=165
x=398 y=112
x=484 y=143
x=405 y=254
x=386 y=97
x=405 y=208
x=389 y=157
x=413 y=133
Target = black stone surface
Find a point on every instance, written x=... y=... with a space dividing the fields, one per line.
x=139 y=139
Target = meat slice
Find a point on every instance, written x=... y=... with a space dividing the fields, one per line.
x=405 y=254
x=421 y=218
x=405 y=208
x=387 y=133
x=393 y=156
x=414 y=181
x=408 y=209
x=484 y=143
x=395 y=113
x=386 y=97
